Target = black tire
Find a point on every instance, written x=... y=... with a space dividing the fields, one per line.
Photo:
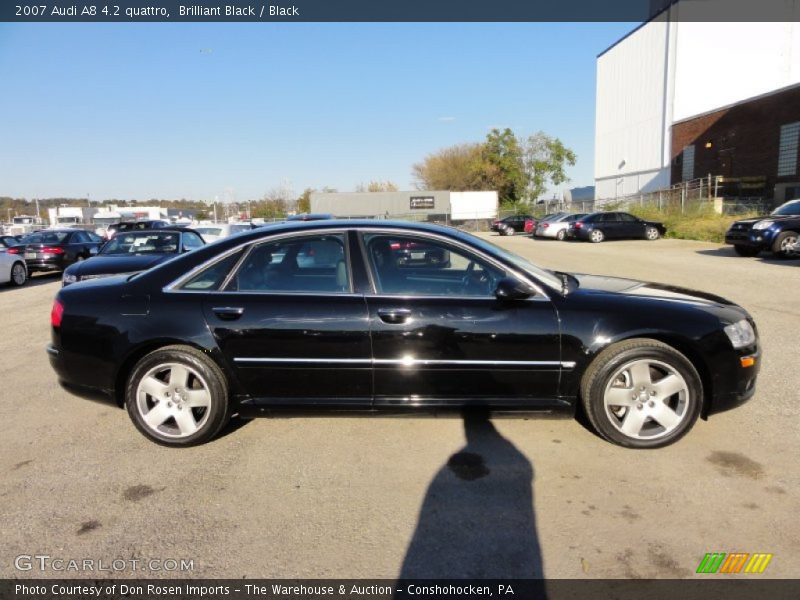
x=747 y=251
x=561 y=235
x=14 y=277
x=596 y=236
x=597 y=381
x=210 y=377
x=782 y=242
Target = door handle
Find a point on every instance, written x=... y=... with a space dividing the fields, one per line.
x=228 y=313
x=394 y=316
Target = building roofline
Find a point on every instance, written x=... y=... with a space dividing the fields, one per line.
x=737 y=103
x=638 y=27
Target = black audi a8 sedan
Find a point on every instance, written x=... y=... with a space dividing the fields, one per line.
x=327 y=314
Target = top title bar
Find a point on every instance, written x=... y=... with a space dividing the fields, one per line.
x=127 y=11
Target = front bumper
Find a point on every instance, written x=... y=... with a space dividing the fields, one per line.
x=739 y=385
x=754 y=238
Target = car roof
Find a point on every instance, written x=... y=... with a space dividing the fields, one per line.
x=163 y=230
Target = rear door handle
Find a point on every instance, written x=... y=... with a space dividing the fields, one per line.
x=394 y=316
x=228 y=313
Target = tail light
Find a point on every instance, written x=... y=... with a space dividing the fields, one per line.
x=57 y=313
x=578 y=225
x=55 y=250
x=545 y=225
x=12 y=251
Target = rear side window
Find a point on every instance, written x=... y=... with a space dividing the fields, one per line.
x=304 y=264
x=211 y=278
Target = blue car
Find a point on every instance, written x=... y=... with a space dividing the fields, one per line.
x=776 y=233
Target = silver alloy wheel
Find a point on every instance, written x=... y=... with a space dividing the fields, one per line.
x=787 y=242
x=642 y=407
x=561 y=235
x=510 y=231
x=173 y=400
x=652 y=233
x=597 y=235
x=18 y=274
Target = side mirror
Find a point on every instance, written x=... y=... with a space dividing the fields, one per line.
x=510 y=288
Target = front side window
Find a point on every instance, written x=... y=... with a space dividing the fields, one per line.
x=211 y=277
x=418 y=266
x=298 y=264
x=191 y=241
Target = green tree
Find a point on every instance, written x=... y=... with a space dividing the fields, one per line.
x=545 y=160
x=304 y=201
x=503 y=166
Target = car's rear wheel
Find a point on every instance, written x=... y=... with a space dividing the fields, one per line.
x=177 y=396
x=509 y=231
x=18 y=274
x=642 y=393
x=652 y=233
x=745 y=250
x=597 y=236
x=561 y=235
x=781 y=245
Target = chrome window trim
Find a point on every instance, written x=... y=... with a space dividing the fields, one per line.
x=174 y=286
x=409 y=362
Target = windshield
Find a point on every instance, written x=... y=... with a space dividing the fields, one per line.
x=142 y=243
x=790 y=208
x=544 y=275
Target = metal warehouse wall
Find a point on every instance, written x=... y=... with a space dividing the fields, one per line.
x=378 y=204
x=632 y=114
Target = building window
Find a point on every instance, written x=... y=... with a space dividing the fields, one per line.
x=787 y=149
x=687 y=172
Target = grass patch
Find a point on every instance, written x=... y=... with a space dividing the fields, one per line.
x=697 y=223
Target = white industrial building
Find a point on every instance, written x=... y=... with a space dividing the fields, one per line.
x=670 y=71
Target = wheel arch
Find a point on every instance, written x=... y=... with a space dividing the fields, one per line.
x=142 y=350
x=686 y=347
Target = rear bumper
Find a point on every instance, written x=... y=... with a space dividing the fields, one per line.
x=67 y=378
x=43 y=264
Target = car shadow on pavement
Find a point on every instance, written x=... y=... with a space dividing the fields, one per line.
x=728 y=252
x=477 y=518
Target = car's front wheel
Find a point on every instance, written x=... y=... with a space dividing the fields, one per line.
x=177 y=396
x=597 y=236
x=509 y=231
x=781 y=247
x=642 y=393
x=561 y=235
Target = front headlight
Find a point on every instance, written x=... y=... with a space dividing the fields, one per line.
x=763 y=224
x=740 y=334
x=68 y=278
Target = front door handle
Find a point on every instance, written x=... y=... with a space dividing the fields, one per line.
x=394 y=316
x=228 y=313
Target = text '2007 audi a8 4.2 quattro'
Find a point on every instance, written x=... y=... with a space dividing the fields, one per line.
x=338 y=314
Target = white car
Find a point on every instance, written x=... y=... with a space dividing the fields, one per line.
x=212 y=233
x=13 y=269
x=556 y=227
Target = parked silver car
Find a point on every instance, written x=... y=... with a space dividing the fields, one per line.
x=556 y=227
x=212 y=233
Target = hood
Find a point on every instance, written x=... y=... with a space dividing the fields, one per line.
x=102 y=265
x=651 y=291
x=776 y=218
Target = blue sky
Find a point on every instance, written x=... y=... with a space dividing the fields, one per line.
x=177 y=110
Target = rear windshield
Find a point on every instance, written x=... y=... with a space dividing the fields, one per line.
x=208 y=230
x=142 y=243
x=45 y=237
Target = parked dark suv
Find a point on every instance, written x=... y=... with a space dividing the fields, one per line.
x=776 y=233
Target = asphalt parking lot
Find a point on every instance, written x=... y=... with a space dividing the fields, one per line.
x=324 y=496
